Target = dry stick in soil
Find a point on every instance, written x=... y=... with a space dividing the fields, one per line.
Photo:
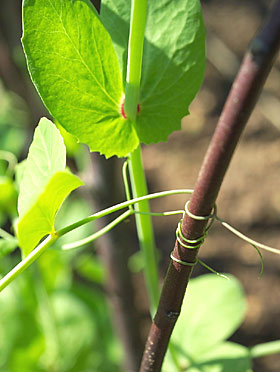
x=239 y=105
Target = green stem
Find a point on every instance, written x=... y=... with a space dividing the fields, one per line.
x=254 y=243
x=144 y=227
x=262 y=350
x=51 y=239
x=119 y=206
x=98 y=233
x=26 y=262
x=135 y=54
x=5 y=235
x=11 y=159
x=137 y=176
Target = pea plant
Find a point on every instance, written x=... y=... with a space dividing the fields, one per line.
x=115 y=80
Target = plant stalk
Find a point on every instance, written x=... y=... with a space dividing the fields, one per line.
x=144 y=227
x=27 y=261
x=136 y=172
x=262 y=350
x=51 y=239
x=114 y=249
x=239 y=105
x=135 y=54
x=118 y=284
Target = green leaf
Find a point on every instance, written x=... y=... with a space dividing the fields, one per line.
x=47 y=155
x=39 y=219
x=115 y=16
x=75 y=69
x=214 y=308
x=173 y=61
x=44 y=185
x=74 y=209
x=227 y=357
x=70 y=141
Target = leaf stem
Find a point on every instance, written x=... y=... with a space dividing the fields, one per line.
x=98 y=233
x=26 y=262
x=51 y=239
x=11 y=159
x=265 y=349
x=5 y=235
x=135 y=54
x=136 y=171
x=119 y=206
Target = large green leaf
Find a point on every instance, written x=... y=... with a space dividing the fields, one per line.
x=44 y=186
x=74 y=67
x=115 y=16
x=173 y=61
x=212 y=311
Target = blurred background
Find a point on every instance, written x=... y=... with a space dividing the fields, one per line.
x=32 y=311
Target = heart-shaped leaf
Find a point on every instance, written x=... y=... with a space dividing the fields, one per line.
x=173 y=61
x=75 y=69
x=74 y=66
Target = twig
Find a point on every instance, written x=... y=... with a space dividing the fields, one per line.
x=239 y=105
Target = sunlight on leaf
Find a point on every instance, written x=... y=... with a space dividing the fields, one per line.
x=39 y=220
x=47 y=155
x=75 y=69
x=44 y=186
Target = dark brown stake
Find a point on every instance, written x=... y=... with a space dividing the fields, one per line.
x=239 y=105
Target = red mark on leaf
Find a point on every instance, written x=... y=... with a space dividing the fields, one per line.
x=123 y=112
